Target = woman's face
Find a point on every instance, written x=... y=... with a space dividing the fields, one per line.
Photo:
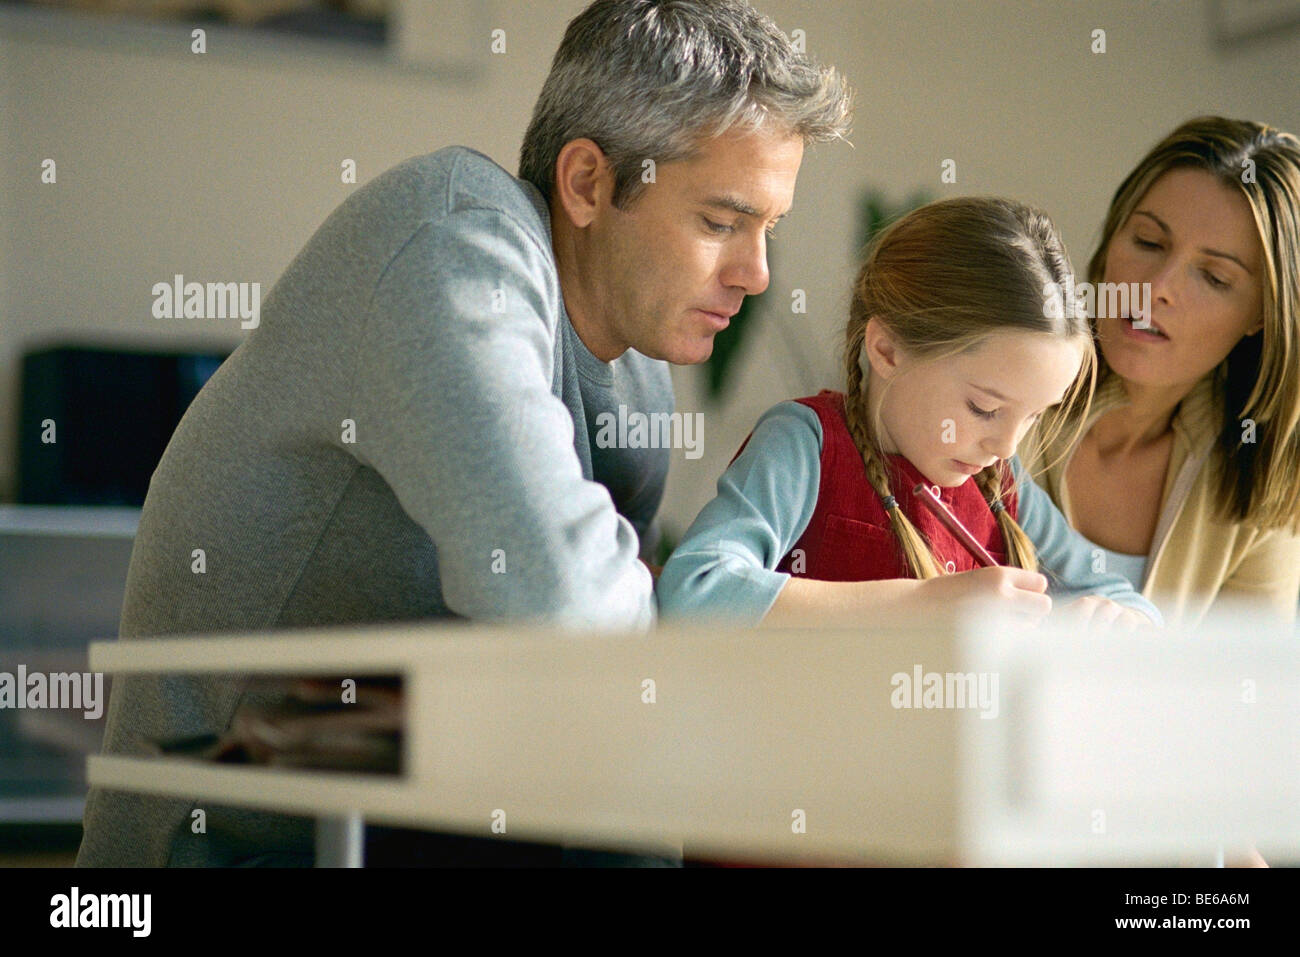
x=1194 y=240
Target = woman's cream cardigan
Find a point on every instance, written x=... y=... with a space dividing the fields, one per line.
x=1196 y=559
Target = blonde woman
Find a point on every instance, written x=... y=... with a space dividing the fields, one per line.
x=1187 y=475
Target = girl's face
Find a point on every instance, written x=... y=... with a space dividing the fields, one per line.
x=952 y=417
x=1195 y=241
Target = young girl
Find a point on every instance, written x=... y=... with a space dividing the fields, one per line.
x=959 y=338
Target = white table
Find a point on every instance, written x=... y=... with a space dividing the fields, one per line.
x=1115 y=750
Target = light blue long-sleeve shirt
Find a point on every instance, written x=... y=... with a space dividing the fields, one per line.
x=725 y=566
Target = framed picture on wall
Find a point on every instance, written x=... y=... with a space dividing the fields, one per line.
x=444 y=36
x=1239 y=21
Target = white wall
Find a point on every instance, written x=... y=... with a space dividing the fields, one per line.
x=221 y=165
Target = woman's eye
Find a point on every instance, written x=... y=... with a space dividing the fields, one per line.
x=982 y=413
x=1215 y=281
x=1145 y=243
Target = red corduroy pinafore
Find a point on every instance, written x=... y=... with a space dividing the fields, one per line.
x=849 y=537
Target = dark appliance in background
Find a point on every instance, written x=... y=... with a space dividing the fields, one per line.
x=113 y=413
x=65 y=548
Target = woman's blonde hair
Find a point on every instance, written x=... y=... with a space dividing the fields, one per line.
x=942 y=279
x=1258 y=482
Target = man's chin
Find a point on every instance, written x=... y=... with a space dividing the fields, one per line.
x=686 y=354
x=698 y=356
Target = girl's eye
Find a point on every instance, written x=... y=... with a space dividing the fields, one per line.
x=1214 y=280
x=982 y=413
x=1145 y=243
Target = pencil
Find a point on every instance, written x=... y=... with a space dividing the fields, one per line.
x=950 y=522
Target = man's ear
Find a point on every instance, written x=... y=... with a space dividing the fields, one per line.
x=584 y=181
x=881 y=349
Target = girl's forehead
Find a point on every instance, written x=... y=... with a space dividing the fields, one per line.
x=1030 y=368
x=1018 y=344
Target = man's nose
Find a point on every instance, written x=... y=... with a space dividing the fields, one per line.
x=747 y=267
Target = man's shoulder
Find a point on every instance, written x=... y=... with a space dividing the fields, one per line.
x=458 y=178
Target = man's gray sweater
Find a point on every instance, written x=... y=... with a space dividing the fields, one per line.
x=408 y=434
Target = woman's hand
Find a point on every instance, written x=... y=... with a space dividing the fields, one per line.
x=1094 y=611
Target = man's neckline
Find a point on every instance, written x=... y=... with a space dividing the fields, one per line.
x=589 y=365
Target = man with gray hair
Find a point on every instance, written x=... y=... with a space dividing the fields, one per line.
x=408 y=434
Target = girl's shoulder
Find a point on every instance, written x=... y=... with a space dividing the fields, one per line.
x=825 y=402
x=823 y=411
x=822 y=416
x=789 y=424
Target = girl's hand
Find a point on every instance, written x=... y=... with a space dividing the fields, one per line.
x=1022 y=593
x=1094 y=611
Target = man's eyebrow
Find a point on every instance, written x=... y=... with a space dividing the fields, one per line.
x=737 y=205
x=1209 y=252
